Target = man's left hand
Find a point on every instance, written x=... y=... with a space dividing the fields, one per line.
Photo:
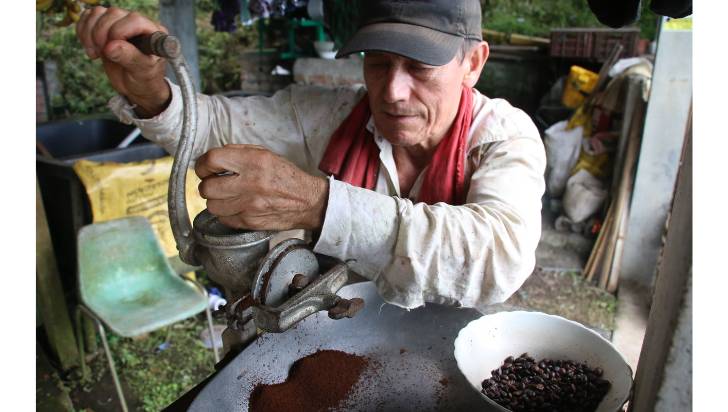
x=250 y=187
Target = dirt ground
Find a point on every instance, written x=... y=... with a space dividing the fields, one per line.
x=567 y=294
x=154 y=370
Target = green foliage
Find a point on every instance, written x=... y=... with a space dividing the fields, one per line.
x=84 y=88
x=219 y=53
x=648 y=22
x=538 y=17
x=158 y=378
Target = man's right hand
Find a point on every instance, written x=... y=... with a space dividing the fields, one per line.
x=140 y=78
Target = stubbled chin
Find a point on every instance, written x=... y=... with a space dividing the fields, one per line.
x=401 y=134
x=402 y=138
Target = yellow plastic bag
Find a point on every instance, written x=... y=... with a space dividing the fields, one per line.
x=117 y=190
x=581 y=117
x=597 y=165
x=596 y=154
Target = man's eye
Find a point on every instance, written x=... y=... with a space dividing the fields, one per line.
x=421 y=69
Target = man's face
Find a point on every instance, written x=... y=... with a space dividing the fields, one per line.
x=412 y=103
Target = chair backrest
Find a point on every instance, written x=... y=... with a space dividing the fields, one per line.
x=118 y=258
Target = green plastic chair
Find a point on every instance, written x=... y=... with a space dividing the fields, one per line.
x=126 y=283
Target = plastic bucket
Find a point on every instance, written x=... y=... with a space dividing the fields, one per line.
x=578 y=85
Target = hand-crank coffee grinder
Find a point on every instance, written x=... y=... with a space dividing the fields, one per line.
x=287 y=282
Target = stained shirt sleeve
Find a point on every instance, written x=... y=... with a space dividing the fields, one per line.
x=295 y=122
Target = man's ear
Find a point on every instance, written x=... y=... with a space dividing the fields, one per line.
x=474 y=63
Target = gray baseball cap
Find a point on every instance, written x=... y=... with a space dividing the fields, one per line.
x=427 y=31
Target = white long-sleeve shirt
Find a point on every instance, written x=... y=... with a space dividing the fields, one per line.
x=475 y=254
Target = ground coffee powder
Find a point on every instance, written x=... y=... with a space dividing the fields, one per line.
x=318 y=382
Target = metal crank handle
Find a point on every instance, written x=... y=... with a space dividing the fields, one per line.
x=170 y=48
x=158 y=44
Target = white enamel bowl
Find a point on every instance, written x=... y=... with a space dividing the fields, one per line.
x=484 y=343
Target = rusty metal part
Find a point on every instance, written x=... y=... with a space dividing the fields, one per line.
x=239 y=312
x=319 y=295
x=346 y=308
x=240 y=329
x=277 y=270
x=299 y=282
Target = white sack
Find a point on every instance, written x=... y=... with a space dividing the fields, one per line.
x=562 y=152
x=583 y=196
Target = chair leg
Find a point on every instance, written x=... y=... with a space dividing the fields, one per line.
x=79 y=340
x=208 y=313
x=212 y=334
x=114 y=376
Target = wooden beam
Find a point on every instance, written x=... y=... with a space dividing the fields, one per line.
x=178 y=16
x=51 y=302
x=674 y=274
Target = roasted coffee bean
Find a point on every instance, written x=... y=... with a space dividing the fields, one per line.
x=524 y=384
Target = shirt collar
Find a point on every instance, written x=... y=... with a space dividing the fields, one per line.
x=381 y=142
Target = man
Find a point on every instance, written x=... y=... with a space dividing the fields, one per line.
x=432 y=188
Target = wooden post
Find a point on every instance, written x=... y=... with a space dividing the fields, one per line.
x=178 y=16
x=51 y=303
x=669 y=302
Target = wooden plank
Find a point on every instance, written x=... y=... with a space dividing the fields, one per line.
x=608 y=256
x=605 y=260
x=616 y=259
x=611 y=60
x=595 y=258
x=608 y=249
x=515 y=39
x=624 y=194
x=52 y=304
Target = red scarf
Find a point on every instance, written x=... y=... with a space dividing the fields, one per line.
x=352 y=156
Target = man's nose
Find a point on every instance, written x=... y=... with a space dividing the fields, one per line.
x=397 y=86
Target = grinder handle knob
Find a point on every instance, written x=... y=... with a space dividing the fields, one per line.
x=346 y=308
x=158 y=44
